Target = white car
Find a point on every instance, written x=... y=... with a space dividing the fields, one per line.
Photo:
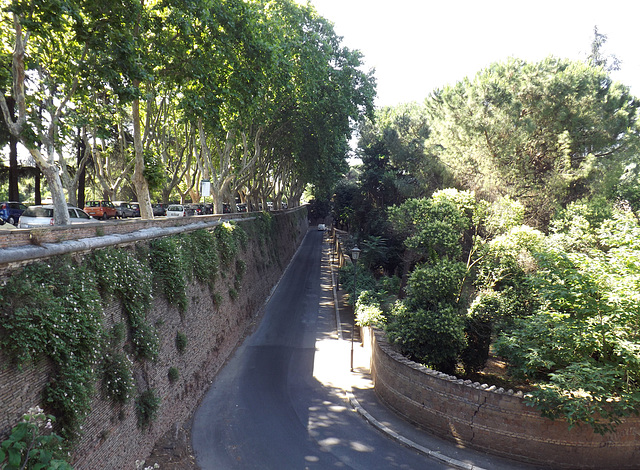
x=322 y=227
x=176 y=210
x=39 y=216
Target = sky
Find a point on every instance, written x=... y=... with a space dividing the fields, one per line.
x=417 y=46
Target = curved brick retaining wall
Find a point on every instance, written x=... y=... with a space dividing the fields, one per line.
x=494 y=420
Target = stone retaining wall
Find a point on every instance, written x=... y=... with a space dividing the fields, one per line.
x=112 y=439
x=494 y=420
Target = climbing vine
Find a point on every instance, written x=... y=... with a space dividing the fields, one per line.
x=53 y=310
x=120 y=274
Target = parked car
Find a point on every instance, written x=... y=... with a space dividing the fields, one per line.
x=226 y=208
x=6 y=226
x=241 y=207
x=101 y=209
x=136 y=208
x=38 y=216
x=194 y=209
x=124 y=209
x=11 y=211
x=159 y=209
x=176 y=210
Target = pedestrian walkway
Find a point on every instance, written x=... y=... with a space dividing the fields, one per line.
x=358 y=388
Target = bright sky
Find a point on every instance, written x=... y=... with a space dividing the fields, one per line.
x=417 y=46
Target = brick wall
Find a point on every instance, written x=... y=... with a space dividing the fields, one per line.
x=112 y=439
x=494 y=420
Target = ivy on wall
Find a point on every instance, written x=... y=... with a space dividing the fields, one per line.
x=54 y=310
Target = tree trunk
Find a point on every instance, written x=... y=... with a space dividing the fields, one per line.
x=38 y=188
x=81 y=169
x=16 y=125
x=139 y=181
x=14 y=194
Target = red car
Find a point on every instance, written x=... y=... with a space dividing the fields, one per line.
x=101 y=209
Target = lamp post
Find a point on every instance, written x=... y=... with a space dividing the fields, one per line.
x=355 y=254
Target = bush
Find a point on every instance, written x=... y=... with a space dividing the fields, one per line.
x=173 y=374
x=432 y=284
x=147 y=406
x=432 y=337
x=181 y=342
x=116 y=377
x=32 y=445
x=581 y=342
x=368 y=311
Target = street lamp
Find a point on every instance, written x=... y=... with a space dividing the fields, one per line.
x=355 y=254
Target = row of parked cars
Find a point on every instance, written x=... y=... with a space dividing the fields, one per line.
x=16 y=213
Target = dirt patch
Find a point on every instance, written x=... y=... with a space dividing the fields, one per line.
x=496 y=373
x=173 y=451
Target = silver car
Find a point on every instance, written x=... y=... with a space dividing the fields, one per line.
x=39 y=216
x=176 y=210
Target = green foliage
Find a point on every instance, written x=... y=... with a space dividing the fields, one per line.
x=173 y=375
x=33 y=446
x=574 y=227
x=181 y=342
x=533 y=131
x=167 y=265
x=120 y=274
x=53 y=310
x=433 y=228
x=432 y=284
x=227 y=238
x=503 y=215
x=365 y=280
x=117 y=380
x=147 y=406
x=508 y=258
x=433 y=337
x=368 y=311
x=154 y=171
x=579 y=341
x=233 y=293
x=582 y=393
x=200 y=256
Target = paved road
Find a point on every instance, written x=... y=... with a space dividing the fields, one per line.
x=275 y=405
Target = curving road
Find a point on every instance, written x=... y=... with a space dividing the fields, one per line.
x=278 y=404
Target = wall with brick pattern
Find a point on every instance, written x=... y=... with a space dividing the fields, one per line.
x=112 y=439
x=494 y=420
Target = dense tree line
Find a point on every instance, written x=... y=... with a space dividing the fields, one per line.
x=259 y=97
x=502 y=215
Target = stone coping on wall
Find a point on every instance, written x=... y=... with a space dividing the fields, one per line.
x=23 y=245
x=493 y=419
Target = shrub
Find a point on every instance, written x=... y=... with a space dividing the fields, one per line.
x=432 y=284
x=116 y=377
x=173 y=374
x=432 y=337
x=368 y=311
x=32 y=445
x=181 y=342
x=168 y=270
x=147 y=406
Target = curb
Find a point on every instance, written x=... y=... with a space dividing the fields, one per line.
x=355 y=404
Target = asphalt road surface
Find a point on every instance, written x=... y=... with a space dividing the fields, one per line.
x=274 y=405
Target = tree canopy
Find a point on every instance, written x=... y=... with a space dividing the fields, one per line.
x=259 y=97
